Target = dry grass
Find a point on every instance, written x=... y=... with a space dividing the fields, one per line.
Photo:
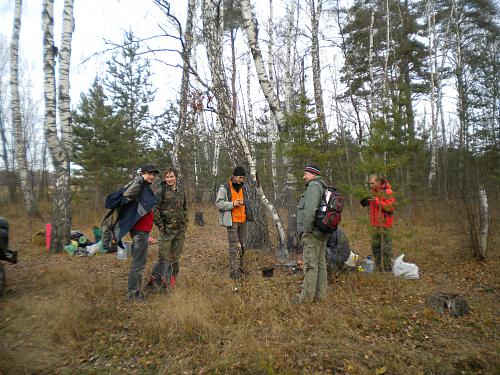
x=69 y=315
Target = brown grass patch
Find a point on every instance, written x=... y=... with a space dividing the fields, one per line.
x=69 y=315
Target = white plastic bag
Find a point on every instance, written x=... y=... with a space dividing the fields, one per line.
x=405 y=270
x=352 y=260
x=92 y=249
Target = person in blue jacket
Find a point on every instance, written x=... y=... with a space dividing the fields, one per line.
x=135 y=216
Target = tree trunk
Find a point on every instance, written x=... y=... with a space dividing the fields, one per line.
x=483 y=223
x=212 y=30
x=272 y=99
x=272 y=123
x=432 y=60
x=316 y=66
x=20 y=142
x=183 y=105
x=60 y=149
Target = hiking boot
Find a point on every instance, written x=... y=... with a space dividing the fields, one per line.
x=133 y=297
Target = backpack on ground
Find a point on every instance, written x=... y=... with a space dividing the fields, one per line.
x=328 y=215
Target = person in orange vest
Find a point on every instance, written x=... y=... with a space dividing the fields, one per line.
x=234 y=212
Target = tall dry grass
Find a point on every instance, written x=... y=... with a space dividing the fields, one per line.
x=69 y=315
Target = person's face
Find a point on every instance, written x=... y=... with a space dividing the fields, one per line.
x=374 y=184
x=239 y=179
x=170 y=179
x=149 y=176
x=308 y=176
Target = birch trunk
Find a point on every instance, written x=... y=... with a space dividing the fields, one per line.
x=289 y=64
x=316 y=65
x=483 y=222
x=212 y=31
x=19 y=139
x=432 y=60
x=272 y=99
x=60 y=149
x=272 y=122
x=183 y=104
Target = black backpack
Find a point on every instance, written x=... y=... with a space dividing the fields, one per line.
x=328 y=215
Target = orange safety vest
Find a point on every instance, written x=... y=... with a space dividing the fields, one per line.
x=238 y=213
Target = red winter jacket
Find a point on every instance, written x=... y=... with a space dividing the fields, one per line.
x=382 y=197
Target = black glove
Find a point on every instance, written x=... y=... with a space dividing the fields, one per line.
x=364 y=202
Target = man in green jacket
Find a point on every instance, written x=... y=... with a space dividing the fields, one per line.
x=312 y=239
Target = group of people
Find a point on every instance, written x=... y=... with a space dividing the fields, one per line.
x=314 y=241
x=167 y=209
x=142 y=207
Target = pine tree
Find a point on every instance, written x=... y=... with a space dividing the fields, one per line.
x=128 y=83
x=101 y=143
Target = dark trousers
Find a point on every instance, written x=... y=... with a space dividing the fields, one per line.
x=382 y=243
x=236 y=236
x=139 y=254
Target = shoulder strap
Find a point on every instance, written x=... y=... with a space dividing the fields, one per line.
x=228 y=189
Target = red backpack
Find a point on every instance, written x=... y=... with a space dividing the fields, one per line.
x=329 y=213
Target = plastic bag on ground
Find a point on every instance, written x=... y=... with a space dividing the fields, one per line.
x=408 y=271
x=352 y=260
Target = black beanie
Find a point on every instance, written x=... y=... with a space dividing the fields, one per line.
x=313 y=168
x=239 y=171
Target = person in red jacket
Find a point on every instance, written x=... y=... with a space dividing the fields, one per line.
x=381 y=202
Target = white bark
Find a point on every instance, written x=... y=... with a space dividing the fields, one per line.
x=316 y=65
x=217 y=141
x=19 y=138
x=272 y=123
x=370 y=106
x=279 y=116
x=213 y=34
x=68 y=26
x=288 y=64
x=483 y=222
x=60 y=149
x=432 y=60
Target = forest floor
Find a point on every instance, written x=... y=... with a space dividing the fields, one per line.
x=69 y=315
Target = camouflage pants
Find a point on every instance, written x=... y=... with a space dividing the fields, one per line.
x=382 y=242
x=170 y=246
x=315 y=278
x=237 y=236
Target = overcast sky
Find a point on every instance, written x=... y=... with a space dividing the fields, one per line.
x=95 y=20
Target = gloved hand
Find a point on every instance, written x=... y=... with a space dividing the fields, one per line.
x=364 y=202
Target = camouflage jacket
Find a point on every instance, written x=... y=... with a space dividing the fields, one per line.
x=171 y=211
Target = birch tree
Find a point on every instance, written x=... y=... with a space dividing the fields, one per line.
x=432 y=64
x=20 y=142
x=60 y=146
x=279 y=116
x=212 y=30
x=316 y=7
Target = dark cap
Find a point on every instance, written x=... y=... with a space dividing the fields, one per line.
x=239 y=171
x=313 y=168
x=149 y=168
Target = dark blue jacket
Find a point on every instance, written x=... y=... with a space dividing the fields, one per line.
x=138 y=200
